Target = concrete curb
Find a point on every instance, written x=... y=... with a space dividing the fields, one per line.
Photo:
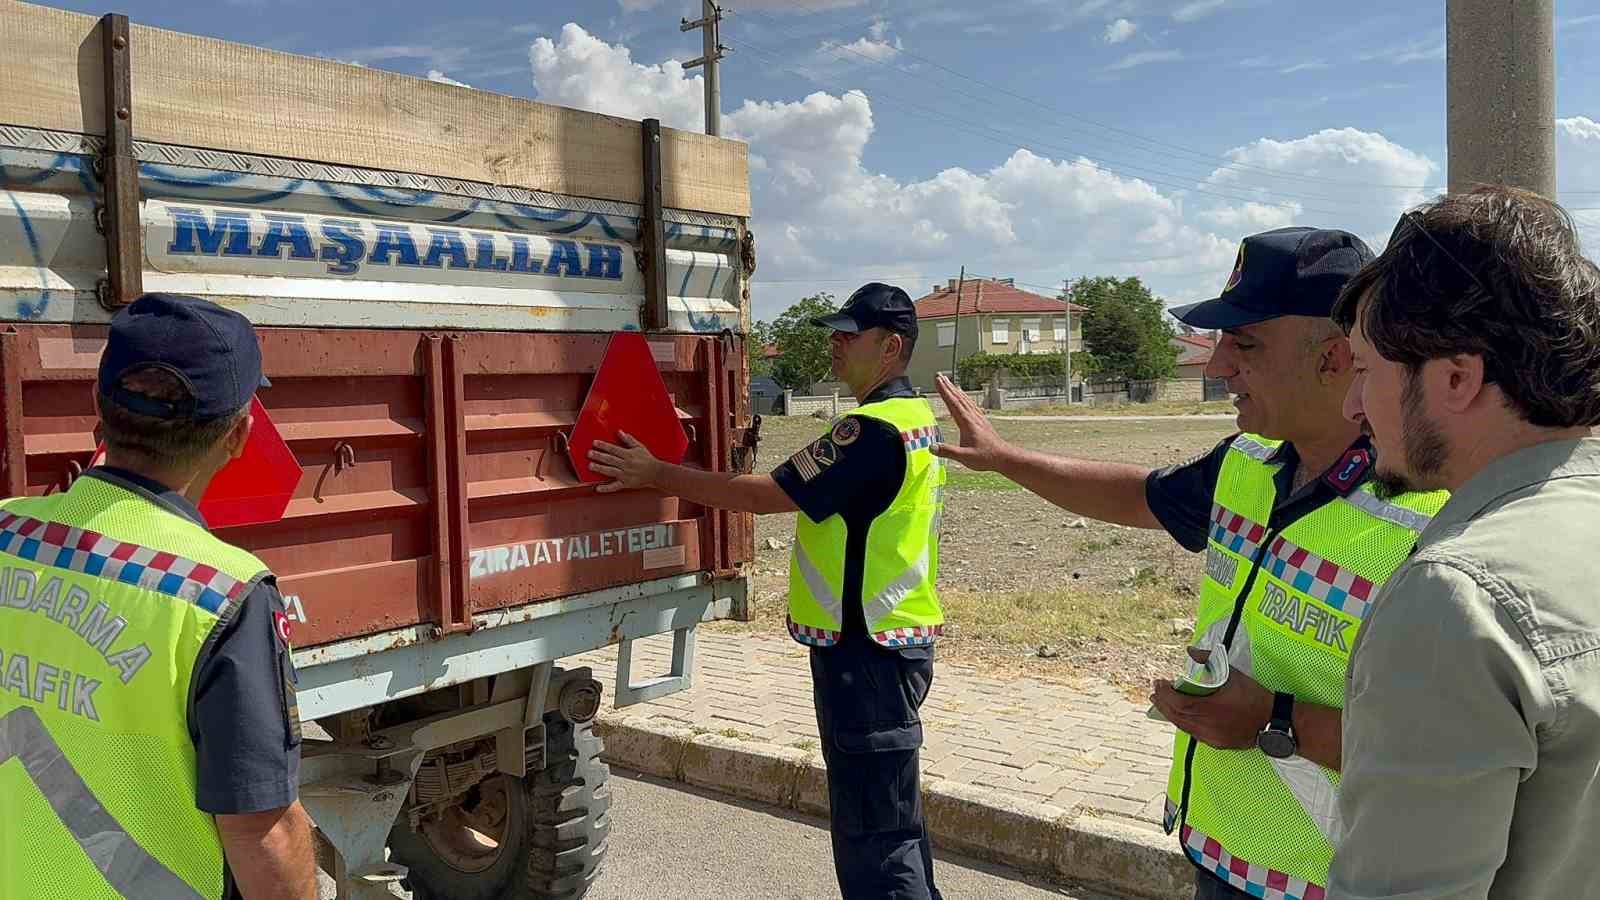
x=1033 y=837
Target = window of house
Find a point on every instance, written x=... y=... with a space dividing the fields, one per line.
x=1000 y=330
x=1030 y=329
x=1061 y=330
x=947 y=335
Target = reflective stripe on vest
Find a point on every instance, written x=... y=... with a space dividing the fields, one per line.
x=107 y=600
x=876 y=609
x=1294 y=600
x=821 y=591
x=126 y=866
x=899 y=603
x=1257 y=881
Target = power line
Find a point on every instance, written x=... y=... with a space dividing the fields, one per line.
x=1058 y=150
x=1035 y=103
x=1041 y=148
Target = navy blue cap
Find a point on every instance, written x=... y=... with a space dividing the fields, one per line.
x=212 y=350
x=874 y=305
x=1285 y=272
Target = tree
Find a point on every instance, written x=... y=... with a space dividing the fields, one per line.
x=978 y=369
x=760 y=337
x=1126 y=329
x=804 y=358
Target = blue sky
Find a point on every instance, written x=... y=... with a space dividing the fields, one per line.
x=1042 y=139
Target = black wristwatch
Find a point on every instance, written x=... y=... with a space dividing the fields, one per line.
x=1277 y=740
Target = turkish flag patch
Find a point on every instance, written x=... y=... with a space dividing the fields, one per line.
x=280 y=626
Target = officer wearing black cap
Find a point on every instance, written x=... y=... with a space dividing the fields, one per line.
x=155 y=708
x=861 y=584
x=1297 y=537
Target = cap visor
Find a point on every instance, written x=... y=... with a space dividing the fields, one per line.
x=1218 y=313
x=838 y=322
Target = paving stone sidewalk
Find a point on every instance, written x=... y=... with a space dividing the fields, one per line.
x=1084 y=747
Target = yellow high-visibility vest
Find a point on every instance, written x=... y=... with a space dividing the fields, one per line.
x=902 y=562
x=1294 y=600
x=106 y=602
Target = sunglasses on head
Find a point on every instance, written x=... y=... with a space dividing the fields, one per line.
x=1414 y=219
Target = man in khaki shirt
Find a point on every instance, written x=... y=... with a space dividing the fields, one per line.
x=1472 y=718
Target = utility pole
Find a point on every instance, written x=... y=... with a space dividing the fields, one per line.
x=1066 y=305
x=955 y=348
x=710 y=25
x=1500 y=65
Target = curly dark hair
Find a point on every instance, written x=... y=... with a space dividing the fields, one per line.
x=1498 y=273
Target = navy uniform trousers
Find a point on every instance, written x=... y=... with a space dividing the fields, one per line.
x=867 y=701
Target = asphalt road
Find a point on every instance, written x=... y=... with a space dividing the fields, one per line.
x=672 y=842
x=676 y=843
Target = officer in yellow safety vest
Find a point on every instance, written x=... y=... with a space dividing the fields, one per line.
x=861 y=584
x=1298 y=537
x=149 y=742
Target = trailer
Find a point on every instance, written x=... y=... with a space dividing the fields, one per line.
x=435 y=273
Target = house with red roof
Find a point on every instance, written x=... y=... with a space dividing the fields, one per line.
x=988 y=315
x=1194 y=353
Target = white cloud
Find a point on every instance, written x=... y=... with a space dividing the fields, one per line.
x=1197 y=9
x=436 y=75
x=586 y=72
x=1250 y=218
x=1577 y=21
x=821 y=213
x=878 y=29
x=1144 y=58
x=1578 y=176
x=1284 y=66
x=860 y=50
x=438 y=56
x=1119 y=31
x=825 y=220
x=345 y=62
x=1346 y=178
x=1425 y=49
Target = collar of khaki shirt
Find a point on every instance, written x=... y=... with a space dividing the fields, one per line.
x=1513 y=473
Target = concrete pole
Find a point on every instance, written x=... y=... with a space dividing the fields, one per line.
x=711 y=36
x=955 y=348
x=1066 y=304
x=710 y=25
x=1500 y=93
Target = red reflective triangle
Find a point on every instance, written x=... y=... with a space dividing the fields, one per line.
x=627 y=394
x=254 y=488
x=257 y=486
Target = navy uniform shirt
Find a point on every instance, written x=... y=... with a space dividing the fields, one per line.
x=242 y=714
x=853 y=472
x=1181 y=496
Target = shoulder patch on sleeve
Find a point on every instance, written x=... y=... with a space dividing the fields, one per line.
x=846 y=432
x=814 y=457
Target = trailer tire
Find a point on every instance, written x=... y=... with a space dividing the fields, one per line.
x=440 y=858
x=570 y=807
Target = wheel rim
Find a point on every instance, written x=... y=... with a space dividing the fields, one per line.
x=470 y=841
